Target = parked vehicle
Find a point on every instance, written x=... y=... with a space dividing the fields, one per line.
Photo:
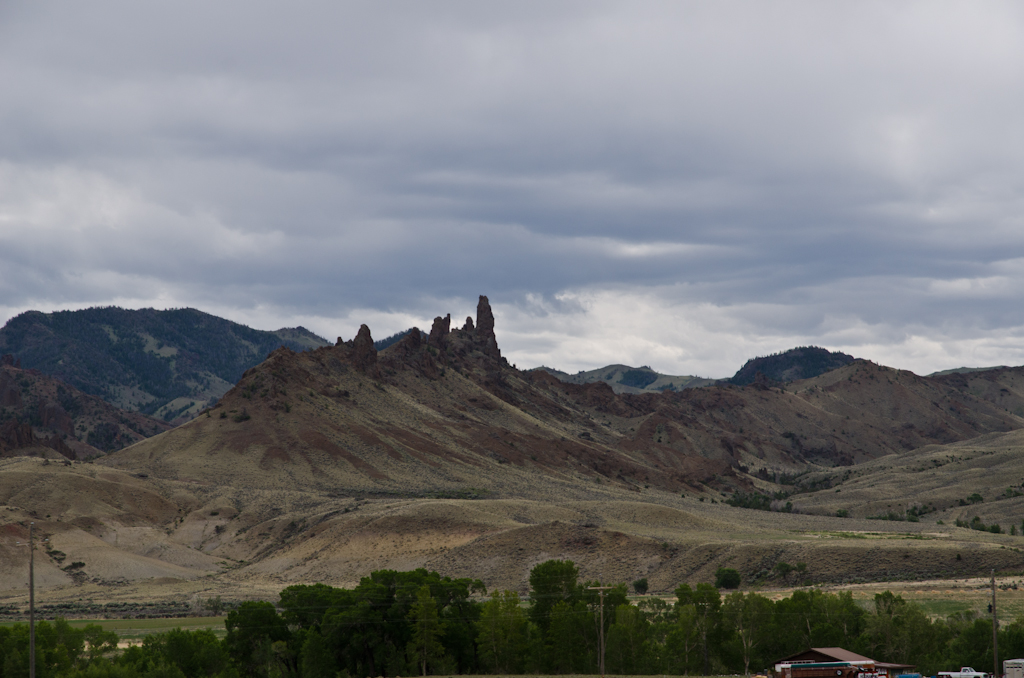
x=964 y=672
x=1013 y=668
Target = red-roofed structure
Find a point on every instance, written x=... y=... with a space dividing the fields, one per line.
x=825 y=655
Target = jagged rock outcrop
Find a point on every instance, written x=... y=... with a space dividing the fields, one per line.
x=439 y=331
x=484 y=317
x=412 y=352
x=58 y=445
x=414 y=339
x=485 y=329
x=364 y=353
x=16 y=436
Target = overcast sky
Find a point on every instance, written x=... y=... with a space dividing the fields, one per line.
x=683 y=185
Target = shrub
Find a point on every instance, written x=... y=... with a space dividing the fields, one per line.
x=727 y=578
x=640 y=586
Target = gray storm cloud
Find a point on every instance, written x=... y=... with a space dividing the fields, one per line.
x=682 y=185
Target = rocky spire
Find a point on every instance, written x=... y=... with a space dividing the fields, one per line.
x=485 y=329
x=364 y=353
x=484 y=317
x=439 y=331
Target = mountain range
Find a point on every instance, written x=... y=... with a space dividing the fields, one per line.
x=326 y=464
x=797 y=363
x=171 y=364
x=401 y=421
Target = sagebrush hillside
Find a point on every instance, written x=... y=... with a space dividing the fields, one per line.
x=168 y=364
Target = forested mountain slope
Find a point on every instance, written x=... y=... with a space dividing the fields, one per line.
x=797 y=363
x=169 y=364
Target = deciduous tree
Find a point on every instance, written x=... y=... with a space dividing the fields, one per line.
x=502 y=633
x=425 y=647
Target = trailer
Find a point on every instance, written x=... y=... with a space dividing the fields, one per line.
x=1013 y=668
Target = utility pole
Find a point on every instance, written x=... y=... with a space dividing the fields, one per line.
x=600 y=636
x=31 y=601
x=995 y=630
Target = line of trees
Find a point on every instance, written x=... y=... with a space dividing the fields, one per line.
x=419 y=623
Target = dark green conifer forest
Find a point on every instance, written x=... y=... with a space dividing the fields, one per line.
x=162 y=355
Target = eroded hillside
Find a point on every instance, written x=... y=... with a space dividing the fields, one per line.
x=40 y=414
x=448 y=413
